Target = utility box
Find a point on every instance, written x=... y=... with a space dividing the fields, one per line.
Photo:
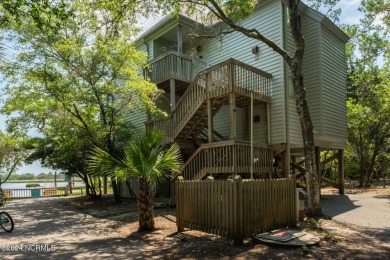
x=35 y=193
x=301 y=198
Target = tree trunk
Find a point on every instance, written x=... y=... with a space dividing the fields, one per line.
x=295 y=64
x=312 y=178
x=115 y=191
x=145 y=205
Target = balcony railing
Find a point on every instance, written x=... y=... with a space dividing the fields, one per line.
x=174 y=65
x=170 y=65
x=228 y=157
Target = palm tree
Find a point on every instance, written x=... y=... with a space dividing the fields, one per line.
x=146 y=158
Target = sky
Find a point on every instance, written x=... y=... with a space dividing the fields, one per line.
x=349 y=15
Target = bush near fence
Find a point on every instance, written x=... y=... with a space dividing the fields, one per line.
x=236 y=208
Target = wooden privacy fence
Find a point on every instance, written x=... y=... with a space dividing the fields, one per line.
x=236 y=208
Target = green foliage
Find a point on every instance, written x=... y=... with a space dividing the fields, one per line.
x=76 y=78
x=12 y=154
x=368 y=104
x=352 y=170
x=145 y=156
x=44 y=13
x=315 y=224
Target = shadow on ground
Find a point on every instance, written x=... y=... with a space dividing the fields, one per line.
x=334 y=205
x=76 y=234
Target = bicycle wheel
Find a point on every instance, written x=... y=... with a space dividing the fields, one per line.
x=6 y=222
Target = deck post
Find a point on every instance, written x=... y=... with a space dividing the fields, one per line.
x=294 y=161
x=341 y=170
x=252 y=157
x=179 y=39
x=268 y=123
x=233 y=116
x=239 y=211
x=245 y=123
x=172 y=88
x=210 y=126
x=179 y=69
x=179 y=204
x=283 y=164
x=317 y=152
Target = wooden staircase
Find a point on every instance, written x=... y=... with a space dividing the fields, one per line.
x=189 y=117
x=188 y=121
x=198 y=122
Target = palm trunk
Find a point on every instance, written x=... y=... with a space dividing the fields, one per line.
x=145 y=205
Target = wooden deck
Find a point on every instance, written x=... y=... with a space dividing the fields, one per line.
x=228 y=157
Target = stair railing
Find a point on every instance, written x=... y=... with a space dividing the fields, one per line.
x=228 y=76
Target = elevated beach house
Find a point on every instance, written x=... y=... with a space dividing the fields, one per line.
x=230 y=101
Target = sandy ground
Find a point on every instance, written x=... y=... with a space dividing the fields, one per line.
x=74 y=228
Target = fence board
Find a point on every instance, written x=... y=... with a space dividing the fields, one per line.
x=235 y=208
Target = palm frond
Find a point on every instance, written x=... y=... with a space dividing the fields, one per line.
x=101 y=163
x=145 y=156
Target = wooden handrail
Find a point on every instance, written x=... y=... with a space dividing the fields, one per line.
x=232 y=154
x=228 y=76
x=165 y=54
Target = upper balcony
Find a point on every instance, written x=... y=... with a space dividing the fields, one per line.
x=174 y=65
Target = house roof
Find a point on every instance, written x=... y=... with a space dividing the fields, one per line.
x=165 y=21
x=182 y=19
x=322 y=19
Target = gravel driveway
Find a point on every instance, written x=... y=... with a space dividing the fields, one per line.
x=369 y=213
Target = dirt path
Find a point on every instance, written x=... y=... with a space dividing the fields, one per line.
x=52 y=222
x=80 y=230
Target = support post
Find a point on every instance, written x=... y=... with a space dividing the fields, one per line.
x=179 y=39
x=179 y=205
x=287 y=161
x=233 y=118
x=317 y=152
x=283 y=164
x=245 y=124
x=268 y=124
x=294 y=161
x=239 y=212
x=172 y=88
x=180 y=70
x=252 y=156
x=341 y=171
x=55 y=180
x=210 y=126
